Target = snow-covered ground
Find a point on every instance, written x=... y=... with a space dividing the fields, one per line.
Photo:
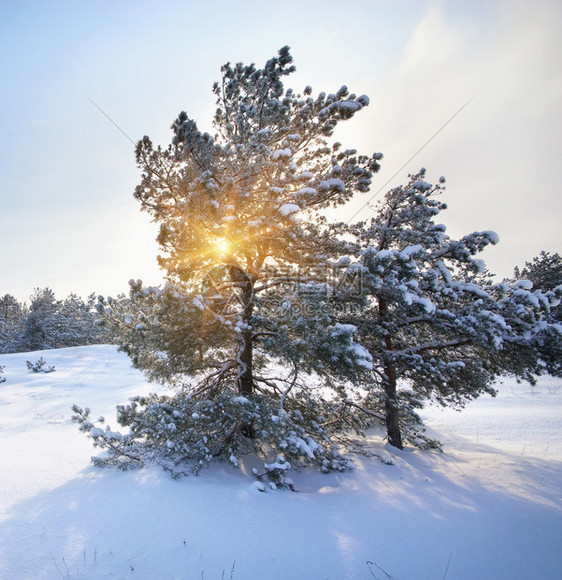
x=490 y=507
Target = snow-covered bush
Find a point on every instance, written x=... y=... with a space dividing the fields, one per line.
x=40 y=366
x=276 y=474
x=2 y=379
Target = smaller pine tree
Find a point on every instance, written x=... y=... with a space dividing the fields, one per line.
x=437 y=327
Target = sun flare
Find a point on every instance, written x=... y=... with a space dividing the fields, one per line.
x=222 y=246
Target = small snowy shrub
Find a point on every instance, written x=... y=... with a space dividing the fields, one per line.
x=2 y=379
x=276 y=473
x=40 y=366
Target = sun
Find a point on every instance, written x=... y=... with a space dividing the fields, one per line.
x=222 y=246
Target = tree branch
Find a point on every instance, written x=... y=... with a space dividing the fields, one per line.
x=430 y=346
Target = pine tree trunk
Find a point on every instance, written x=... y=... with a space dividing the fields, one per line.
x=245 y=355
x=391 y=400
x=391 y=407
x=245 y=359
x=246 y=352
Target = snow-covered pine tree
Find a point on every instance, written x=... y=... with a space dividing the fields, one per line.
x=239 y=326
x=435 y=324
x=545 y=272
x=40 y=325
x=12 y=315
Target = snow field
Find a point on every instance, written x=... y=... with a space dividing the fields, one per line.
x=490 y=506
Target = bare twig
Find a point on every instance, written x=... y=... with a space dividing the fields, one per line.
x=447 y=568
x=56 y=565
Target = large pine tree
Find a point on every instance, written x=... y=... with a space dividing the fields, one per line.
x=239 y=326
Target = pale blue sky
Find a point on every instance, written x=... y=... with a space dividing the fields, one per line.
x=67 y=175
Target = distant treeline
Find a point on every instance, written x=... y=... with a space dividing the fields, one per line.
x=48 y=323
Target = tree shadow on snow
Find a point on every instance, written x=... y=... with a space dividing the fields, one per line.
x=429 y=515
